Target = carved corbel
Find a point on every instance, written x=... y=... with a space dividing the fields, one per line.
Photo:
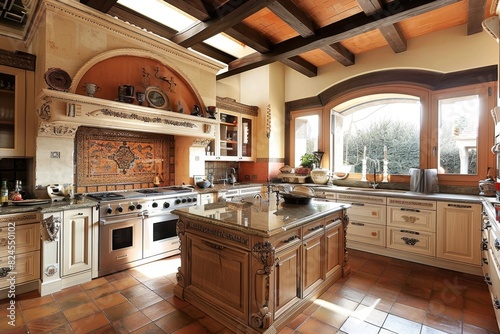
x=44 y=111
x=57 y=130
x=264 y=253
x=52 y=226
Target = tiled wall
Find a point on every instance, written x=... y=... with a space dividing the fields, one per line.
x=110 y=159
x=219 y=168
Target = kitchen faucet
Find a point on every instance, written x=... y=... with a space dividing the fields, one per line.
x=230 y=178
x=375 y=164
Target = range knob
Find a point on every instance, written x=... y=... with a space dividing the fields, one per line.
x=131 y=207
x=138 y=206
x=119 y=208
x=166 y=205
x=177 y=201
x=190 y=200
x=154 y=205
x=183 y=200
x=109 y=210
x=195 y=199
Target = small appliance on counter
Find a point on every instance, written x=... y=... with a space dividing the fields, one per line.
x=56 y=192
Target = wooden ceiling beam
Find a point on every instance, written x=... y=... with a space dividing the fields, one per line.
x=293 y=16
x=392 y=33
x=302 y=66
x=100 y=5
x=394 y=37
x=128 y=15
x=338 y=52
x=334 y=33
x=475 y=16
x=250 y=37
x=195 y=8
x=229 y=14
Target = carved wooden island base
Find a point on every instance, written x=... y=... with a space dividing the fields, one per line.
x=254 y=266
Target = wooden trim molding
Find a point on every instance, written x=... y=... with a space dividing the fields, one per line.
x=18 y=59
x=229 y=104
x=422 y=78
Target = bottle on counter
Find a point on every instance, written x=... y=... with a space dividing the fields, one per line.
x=17 y=196
x=4 y=194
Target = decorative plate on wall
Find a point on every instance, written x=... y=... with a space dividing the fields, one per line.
x=157 y=98
x=57 y=79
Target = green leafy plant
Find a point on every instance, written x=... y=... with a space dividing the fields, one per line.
x=308 y=160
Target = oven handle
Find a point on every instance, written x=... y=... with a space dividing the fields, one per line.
x=117 y=220
x=146 y=214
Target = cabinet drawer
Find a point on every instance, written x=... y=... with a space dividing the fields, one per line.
x=368 y=213
x=26 y=238
x=287 y=239
x=26 y=268
x=419 y=242
x=313 y=228
x=413 y=219
x=368 y=233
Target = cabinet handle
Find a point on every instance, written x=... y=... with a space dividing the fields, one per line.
x=412 y=210
x=486 y=225
x=316 y=228
x=411 y=232
x=293 y=237
x=497 y=244
x=484 y=260
x=487 y=279
x=409 y=219
x=410 y=241
x=357 y=224
x=496 y=303
x=357 y=204
x=484 y=244
x=461 y=206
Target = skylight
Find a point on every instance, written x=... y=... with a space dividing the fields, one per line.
x=172 y=17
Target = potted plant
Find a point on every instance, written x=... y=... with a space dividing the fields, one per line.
x=307 y=162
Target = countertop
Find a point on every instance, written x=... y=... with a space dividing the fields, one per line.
x=259 y=216
x=49 y=207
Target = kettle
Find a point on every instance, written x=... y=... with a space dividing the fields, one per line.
x=487 y=186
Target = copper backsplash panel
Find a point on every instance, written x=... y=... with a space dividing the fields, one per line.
x=108 y=159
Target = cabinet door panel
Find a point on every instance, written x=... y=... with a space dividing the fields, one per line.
x=77 y=240
x=332 y=249
x=27 y=239
x=287 y=275
x=368 y=233
x=219 y=274
x=422 y=220
x=27 y=268
x=459 y=232
x=313 y=257
x=411 y=241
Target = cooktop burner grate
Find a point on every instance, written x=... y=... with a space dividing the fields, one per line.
x=106 y=196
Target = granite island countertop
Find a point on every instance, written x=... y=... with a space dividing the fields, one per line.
x=260 y=216
x=69 y=204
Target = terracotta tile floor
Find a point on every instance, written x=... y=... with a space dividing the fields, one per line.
x=382 y=295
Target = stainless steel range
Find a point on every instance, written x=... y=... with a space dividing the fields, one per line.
x=137 y=227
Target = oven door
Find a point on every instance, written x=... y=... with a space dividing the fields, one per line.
x=120 y=241
x=160 y=234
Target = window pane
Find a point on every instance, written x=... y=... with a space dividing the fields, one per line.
x=458 y=131
x=390 y=120
x=306 y=136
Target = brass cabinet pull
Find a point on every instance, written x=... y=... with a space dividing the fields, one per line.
x=410 y=241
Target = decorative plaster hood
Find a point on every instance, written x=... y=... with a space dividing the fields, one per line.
x=61 y=113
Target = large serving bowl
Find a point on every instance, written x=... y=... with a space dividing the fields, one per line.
x=203 y=184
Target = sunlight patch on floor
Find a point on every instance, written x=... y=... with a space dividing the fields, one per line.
x=159 y=268
x=360 y=314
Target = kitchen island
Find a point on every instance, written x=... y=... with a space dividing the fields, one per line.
x=255 y=265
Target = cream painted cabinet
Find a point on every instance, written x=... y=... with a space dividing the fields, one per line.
x=207 y=198
x=411 y=225
x=19 y=249
x=12 y=111
x=459 y=232
x=77 y=241
x=367 y=217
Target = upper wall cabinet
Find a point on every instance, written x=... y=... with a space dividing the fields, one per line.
x=15 y=96
x=234 y=136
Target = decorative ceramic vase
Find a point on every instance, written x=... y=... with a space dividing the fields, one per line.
x=90 y=89
x=320 y=175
